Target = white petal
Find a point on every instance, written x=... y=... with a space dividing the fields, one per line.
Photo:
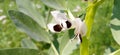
x=64 y=24
x=80 y=27
x=50 y=27
x=76 y=22
x=58 y=16
x=83 y=29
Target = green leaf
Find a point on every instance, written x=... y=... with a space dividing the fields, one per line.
x=66 y=44
x=29 y=26
x=116 y=52
x=53 y=50
x=28 y=8
x=115 y=29
x=27 y=43
x=69 y=47
x=115 y=21
x=56 y=4
x=19 y=51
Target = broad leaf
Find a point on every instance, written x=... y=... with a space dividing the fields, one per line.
x=27 y=43
x=29 y=26
x=69 y=47
x=53 y=50
x=115 y=22
x=56 y=4
x=19 y=51
x=28 y=8
x=66 y=44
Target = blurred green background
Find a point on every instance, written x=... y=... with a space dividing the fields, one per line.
x=101 y=40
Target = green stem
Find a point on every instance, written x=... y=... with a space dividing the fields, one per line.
x=53 y=47
x=84 y=47
x=89 y=19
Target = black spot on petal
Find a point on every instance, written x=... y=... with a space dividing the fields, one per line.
x=68 y=24
x=57 y=28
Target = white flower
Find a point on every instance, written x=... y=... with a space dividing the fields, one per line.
x=61 y=18
x=80 y=29
x=63 y=23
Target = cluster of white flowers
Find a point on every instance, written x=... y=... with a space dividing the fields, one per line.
x=62 y=22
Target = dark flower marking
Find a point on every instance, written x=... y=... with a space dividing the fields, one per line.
x=68 y=24
x=57 y=28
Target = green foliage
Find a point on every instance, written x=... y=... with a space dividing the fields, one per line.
x=116 y=52
x=28 y=8
x=57 y=4
x=115 y=22
x=27 y=43
x=101 y=37
x=30 y=27
x=32 y=20
x=9 y=36
x=38 y=33
x=66 y=44
x=19 y=51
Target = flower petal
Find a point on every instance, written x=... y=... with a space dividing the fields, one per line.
x=77 y=25
x=80 y=27
x=83 y=29
x=50 y=27
x=58 y=16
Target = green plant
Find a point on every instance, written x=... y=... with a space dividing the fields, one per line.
x=33 y=21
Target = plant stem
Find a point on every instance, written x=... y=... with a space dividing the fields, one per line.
x=55 y=51
x=89 y=19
